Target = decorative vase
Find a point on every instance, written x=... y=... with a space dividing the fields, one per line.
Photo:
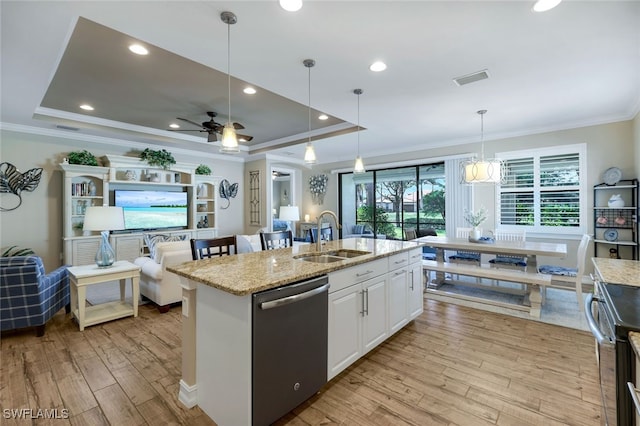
x=154 y=177
x=616 y=201
x=476 y=233
x=105 y=255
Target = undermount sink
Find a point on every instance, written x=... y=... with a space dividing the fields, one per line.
x=330 y=256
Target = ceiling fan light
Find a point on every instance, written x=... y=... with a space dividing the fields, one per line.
x=291 y=5
x=309 y=154
x=359 y=165
x=229 y=140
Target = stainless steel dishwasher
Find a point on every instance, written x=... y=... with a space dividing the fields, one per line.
x=289 y=337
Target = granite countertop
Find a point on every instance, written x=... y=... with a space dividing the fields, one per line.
x=618 y=271
x=634 y=338
x=249 y=273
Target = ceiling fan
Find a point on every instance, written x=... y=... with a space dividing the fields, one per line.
x=213 y=128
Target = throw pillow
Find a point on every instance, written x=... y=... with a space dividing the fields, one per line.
x=152 y=239
x=358 y=229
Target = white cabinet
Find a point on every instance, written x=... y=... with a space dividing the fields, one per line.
x=398 y=317
x=357 y=313
x=127 y=246
x=415 y=288
x=206 y=202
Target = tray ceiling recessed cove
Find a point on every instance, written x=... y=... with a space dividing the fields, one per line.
x=151 y=91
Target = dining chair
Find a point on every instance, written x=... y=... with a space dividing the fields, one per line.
x=212 y=247
x=507 y=261
x=325 y=233
x=568 y=278
x=465 y=256
x=276 y=240
x=410 y=234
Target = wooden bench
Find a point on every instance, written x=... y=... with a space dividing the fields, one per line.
x=533 y=280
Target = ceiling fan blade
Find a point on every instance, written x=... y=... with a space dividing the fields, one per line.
x=186 y=130
x=245 y=137
x=189 y=121
x=238 y=126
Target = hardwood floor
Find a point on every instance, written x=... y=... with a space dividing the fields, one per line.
x=453 y=365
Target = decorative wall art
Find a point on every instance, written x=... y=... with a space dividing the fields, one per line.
x=14 y=182
x=318 y=187
x=254 y=198
x=227 y=190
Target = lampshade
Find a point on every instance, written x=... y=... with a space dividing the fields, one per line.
x=309 y=154
x=289 y=213
x=479 y=170
x=359 y=165
x=229 y=137
x=103 y=218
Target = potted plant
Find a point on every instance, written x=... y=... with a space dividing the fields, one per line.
x=475 y=219
x=161 y=158
x=83 y=157
x=203 y=169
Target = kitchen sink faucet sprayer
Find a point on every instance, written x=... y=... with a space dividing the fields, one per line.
x=335 y=218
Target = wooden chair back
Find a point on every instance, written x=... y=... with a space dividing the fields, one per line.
x=410 y=234
x=276 y=240
x=212 y=247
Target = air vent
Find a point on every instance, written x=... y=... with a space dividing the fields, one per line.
x=62 y=127
x=471 y=78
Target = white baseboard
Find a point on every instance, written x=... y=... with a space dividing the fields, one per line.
x=188 y=395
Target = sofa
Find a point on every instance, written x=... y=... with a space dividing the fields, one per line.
x=359 y=231
x=28 y=296
x=156 y=283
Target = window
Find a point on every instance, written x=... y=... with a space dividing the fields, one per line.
x=386 y=202
x=543 y=190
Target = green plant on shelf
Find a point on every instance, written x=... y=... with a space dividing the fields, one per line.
x=83 y=157
x=161 y=158
x=203 y=169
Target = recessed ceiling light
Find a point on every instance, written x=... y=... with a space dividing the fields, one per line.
x=138 y=49
x=323 y=117
x=174 y=126
x=544 y=5
x=378 y=66
x=86 y=107
x=291 y=5
x=249 y=90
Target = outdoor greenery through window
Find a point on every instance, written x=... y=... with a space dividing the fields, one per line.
x=383 y=203
x=543 y=189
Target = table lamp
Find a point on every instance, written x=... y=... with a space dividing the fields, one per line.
x=289 y=214
x=104 y=219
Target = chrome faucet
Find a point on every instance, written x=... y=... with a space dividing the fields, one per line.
x=338 y=226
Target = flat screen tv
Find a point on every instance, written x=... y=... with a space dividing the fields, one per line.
x=152 y=209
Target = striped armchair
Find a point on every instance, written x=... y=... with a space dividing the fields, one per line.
x=28 y=296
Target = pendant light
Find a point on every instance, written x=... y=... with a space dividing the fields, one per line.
x=229 y=137
x=359 y=165
x=481 y=170
x=309 y=152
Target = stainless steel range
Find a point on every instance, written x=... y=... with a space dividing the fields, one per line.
x=612 y=312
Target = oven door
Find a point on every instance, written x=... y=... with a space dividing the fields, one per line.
x=603 y=330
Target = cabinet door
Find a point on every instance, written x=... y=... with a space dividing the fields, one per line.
x=345 y=316
x=415 y=290
x=83 y=251
x=397 y=299
x=127 y=247
x=374 y=321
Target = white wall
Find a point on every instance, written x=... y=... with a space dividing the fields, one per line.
x=636 y=142
x=37 y=223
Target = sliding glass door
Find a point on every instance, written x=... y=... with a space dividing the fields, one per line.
x=383 y=203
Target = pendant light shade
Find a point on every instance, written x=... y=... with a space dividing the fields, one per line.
x=229 y=137
x=309 y=152
x=479 y=170
x=358 y=167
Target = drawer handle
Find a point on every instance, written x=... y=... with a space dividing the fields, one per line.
x=397 y=262
x=367 y=272
x=398 y=273
x=634 y=396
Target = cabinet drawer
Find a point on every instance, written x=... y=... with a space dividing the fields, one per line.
x=415 y=255
x=349 y=276
x=398 y=260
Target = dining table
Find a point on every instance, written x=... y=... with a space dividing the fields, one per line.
x=530 y=250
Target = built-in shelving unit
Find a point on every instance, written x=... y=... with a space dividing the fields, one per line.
x=616 y=227
x=86 y=186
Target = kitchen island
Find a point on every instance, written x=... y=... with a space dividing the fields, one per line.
x=384 y=286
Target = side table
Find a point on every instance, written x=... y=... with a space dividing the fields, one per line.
x=82 y=276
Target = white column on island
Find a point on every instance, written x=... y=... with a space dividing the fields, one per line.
x=188 y=383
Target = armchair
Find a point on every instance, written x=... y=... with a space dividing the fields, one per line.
x=28 y=296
